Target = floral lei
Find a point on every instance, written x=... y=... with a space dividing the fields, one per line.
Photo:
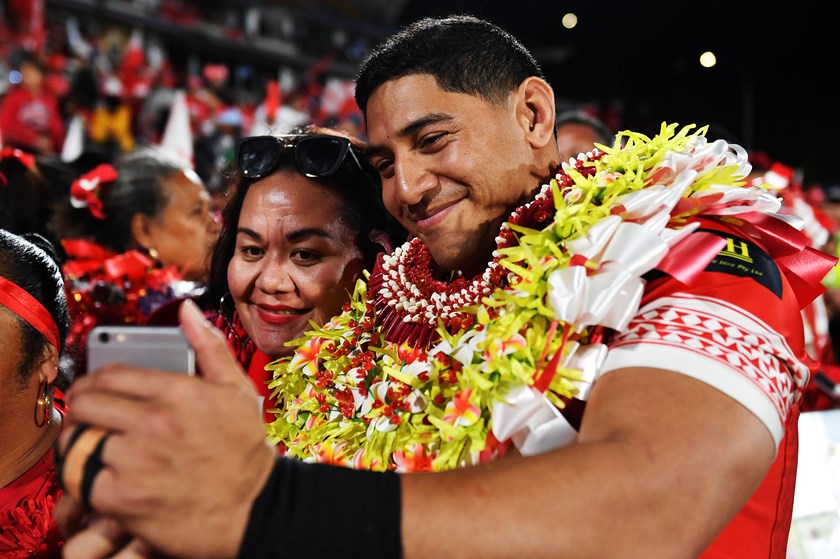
x=416 y=375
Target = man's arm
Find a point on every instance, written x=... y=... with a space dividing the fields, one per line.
x=662 y=464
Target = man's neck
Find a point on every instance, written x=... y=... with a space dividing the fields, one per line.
x=479 y=261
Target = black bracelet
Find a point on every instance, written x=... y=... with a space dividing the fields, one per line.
x=317 y=510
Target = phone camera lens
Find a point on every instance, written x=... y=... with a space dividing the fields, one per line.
x=104 y=337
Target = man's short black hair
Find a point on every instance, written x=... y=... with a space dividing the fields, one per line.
x=463 y=53
x=574 y=116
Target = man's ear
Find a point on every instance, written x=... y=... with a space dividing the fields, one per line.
x=382 y=238
x=141 y=230
x=535 y=111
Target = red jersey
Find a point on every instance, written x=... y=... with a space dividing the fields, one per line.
x=737 y=327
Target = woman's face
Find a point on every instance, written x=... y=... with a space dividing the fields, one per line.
x=16 y=401
x=295 y=260
x=183 y=233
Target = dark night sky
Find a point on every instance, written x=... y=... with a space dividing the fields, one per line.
x=771 y=91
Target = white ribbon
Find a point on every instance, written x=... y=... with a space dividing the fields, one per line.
x=511 y=415
x=588 y=360
x=547 y=430
x=754 y=200
x=531 y=421
x=591 y=244
x=656 y=198
x=611 y=294
x=611 y=299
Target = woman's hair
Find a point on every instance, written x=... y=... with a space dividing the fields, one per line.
x=138 y=189
x=27 y=198
x=360 y=190
x=30 y=262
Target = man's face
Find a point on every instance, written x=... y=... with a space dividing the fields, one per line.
x=453 y=166
x=574 y=138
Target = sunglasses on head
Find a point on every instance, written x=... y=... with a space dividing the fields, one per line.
x=316 y=155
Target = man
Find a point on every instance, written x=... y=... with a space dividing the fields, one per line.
x=578 y=132
x=461 y=128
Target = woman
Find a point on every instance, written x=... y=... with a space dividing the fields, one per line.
x=137 y=235
x=27 y=195
x=33 y=324
x=305 y=220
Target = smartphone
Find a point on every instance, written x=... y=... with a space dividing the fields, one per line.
x=156 y=347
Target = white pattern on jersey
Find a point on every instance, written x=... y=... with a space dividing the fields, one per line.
x=720 y=344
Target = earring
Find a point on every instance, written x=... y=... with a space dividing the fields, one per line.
x=227 y=310
x=43 y=405
x=226 y=306
x=151 y=253
x=233 y=326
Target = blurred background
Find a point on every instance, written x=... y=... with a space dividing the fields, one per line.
x=631 y=64
x=86 y=81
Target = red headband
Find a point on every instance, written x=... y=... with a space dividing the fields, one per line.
x=28 y=308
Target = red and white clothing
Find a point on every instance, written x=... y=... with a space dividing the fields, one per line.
x=736 y=327
x=27 y=505
x=26 y=116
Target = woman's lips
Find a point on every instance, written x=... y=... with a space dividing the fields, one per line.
x=279 y=316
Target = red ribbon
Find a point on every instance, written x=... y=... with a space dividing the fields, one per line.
x=80 y=249
x=86 y=190
x=690 y=256
x=803 y=266
x=542 y=380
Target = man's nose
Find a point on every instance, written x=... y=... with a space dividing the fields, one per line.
x=412 y=182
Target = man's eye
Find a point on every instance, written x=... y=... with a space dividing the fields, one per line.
x=431 y=139
x=384 y=166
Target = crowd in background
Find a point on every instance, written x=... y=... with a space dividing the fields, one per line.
x=120 y=88
x=87 y=95
x=89 y=162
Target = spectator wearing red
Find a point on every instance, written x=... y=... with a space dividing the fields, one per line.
x=29 y=116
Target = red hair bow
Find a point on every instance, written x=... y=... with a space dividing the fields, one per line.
x=25 y=159
x=85 y=191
